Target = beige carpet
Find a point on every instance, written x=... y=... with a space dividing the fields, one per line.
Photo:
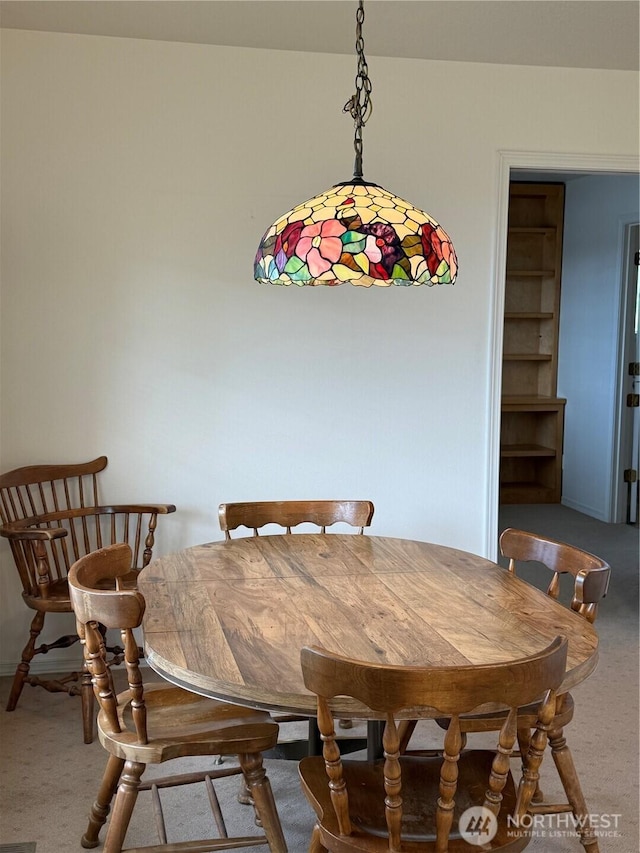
x=49 y=777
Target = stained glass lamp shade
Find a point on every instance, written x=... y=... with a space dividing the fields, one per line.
x=356 y=231
x=359 y=233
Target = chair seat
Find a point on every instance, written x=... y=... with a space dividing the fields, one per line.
x=128 y=581
x=420 y=783
x=183 y=723
x=56 y=601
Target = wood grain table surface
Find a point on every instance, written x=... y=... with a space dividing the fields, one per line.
x=228 y=619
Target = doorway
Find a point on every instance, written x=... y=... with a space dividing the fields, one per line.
x=570 y=170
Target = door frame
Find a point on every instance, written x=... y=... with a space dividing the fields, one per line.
x=542 y=161
x=625 y=450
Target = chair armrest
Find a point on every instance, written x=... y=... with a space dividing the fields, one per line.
x=161 y=509
x=32 y=560
x=18 y=533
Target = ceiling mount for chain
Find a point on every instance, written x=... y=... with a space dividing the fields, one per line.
x=359 y=105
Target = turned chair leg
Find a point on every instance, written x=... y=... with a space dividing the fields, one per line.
x=316 y=846
x=572 y=788
x=524 y=739
x=87 y=697
x=123 y=806
x=244 y=794
x=27 y=654
x=262 y=796
x=102 y=806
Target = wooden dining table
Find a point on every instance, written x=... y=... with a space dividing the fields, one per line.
x=228 y=619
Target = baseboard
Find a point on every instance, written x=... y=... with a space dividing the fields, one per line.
x=585 y=510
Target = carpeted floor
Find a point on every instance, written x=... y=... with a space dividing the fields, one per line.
x=49 y=777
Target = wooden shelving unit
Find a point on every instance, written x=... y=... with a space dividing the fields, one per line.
x=532 y=414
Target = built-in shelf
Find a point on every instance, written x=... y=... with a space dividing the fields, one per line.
x=532 y=415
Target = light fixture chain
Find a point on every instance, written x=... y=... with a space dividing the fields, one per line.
x=359 y=105
x=356 y=231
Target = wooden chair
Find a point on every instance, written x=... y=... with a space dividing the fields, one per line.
x=157 y=724
x=590 y=573
x=51 y=516
x=590 y=576
x=419 y=803
x=288 y=514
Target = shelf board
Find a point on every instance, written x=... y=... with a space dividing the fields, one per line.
x=526 y=493
x=528 y=315
x=527 y=356
x=526 y=450
x=537 y=229
x=531 y=399
x=531 y=273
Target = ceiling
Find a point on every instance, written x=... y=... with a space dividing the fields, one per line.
x=569 y=33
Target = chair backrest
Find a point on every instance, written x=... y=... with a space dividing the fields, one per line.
x=591 y=574
x=113 y=608
x=42 y=489
x=289 y=514
x=390 y=691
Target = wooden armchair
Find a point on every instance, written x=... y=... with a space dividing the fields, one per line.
x=51 y=516
x=419 y=803
x=160 y=723
x=288 y=514
x=590 y=576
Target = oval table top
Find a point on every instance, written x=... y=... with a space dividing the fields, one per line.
x=228 y=619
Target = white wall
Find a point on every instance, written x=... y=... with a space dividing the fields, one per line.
x=597 y=209
x=138 y=177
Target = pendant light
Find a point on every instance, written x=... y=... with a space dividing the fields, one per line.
x=356 y=231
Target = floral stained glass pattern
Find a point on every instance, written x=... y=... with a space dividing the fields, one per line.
x=357 y=233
